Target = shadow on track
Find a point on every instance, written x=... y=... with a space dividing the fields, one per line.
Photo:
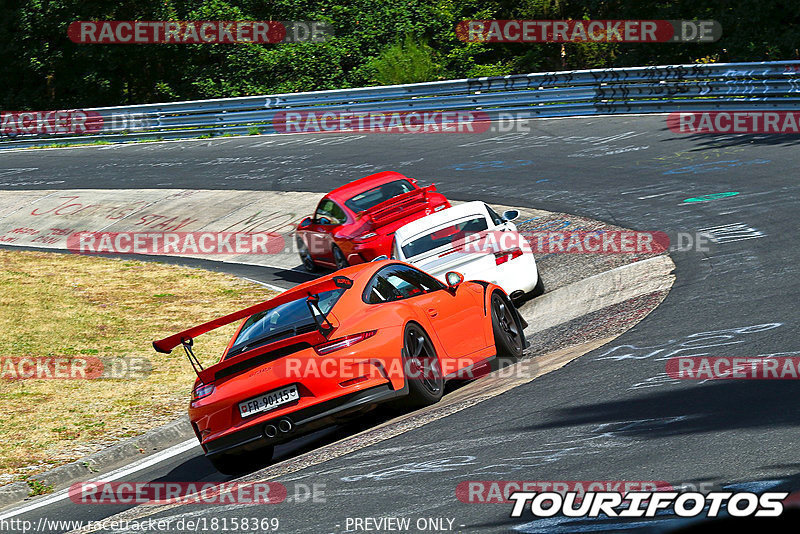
x=711 y=407
x=715 y=141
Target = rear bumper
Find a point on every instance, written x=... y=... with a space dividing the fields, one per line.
x=303 y=421
x=368 y=251
x=519 y=274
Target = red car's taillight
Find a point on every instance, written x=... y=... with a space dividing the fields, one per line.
x=343 y=342
x=202 y=390
x=507 y=255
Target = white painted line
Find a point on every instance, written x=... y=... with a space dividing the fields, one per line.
x=268 y=286
x=23 y=206
x=658 y=195
x=234 y=262
x=144 y=463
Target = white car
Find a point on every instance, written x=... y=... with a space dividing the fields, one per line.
x=471 y=239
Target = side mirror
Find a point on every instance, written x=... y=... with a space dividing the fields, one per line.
x=323 y=220
x=453 y=279
x=510 y=215
x=305 y=222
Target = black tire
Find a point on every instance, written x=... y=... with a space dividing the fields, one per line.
x=339 y=259
x=305 y=256
x=421 y=367
x=538 y=288
x=237 y=464
x=509 y=339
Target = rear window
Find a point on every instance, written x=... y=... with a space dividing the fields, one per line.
x=443 y=235
x=397 y=282
x=282 y=321
x=376 y=195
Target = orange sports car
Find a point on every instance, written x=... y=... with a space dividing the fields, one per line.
x=330 y=349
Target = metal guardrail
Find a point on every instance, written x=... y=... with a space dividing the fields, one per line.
x=659 y=89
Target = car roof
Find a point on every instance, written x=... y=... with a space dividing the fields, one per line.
x=429 y=222
x=348 y=191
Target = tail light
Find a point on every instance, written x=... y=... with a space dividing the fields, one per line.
x=343 y=342
x=506 y=255
x=202 y=390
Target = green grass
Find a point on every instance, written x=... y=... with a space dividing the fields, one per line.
x=71 y=306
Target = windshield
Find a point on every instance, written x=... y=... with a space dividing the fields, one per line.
x=443 y=235
x=376 y=195
x=284 y=319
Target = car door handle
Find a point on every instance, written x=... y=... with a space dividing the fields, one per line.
x=433 y=312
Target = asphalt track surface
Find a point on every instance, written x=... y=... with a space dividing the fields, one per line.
x=611 y=414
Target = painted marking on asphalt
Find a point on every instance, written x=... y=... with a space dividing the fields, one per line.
x=23 y=206
x=728 y=233
x=8 y=172
x=658 y=195
x=268 y=286
x=144 y=463
x=713 y=196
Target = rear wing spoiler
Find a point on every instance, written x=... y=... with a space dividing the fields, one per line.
x=185 y=337
x=398 y=207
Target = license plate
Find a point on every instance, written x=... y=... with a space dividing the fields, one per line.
x=269 y=401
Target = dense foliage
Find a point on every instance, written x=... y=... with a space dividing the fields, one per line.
x=376 y=41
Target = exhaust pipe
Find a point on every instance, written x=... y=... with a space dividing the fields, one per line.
x=285 y=425
x=270 y=431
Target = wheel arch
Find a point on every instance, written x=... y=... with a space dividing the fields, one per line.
x=521 y=323
x=434 y=339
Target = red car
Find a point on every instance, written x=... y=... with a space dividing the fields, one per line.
x=355 y=223
x=330 y=349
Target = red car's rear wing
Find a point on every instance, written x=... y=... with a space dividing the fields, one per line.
x=166 y=345
x=398 y=207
